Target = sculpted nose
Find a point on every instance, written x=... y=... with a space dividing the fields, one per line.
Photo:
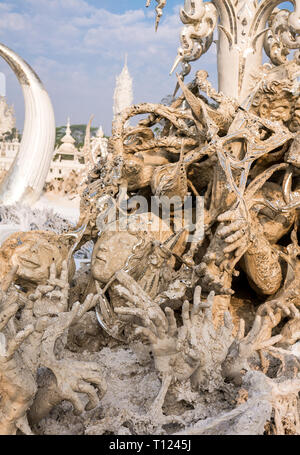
x=34 y=248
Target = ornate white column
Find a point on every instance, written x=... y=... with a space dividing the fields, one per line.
x=245 y=28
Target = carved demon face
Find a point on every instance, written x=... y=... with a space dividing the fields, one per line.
x=295 y=122
x=276 y=110
x=111 y=253
x=34 y=257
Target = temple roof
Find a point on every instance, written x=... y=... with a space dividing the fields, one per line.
x=67 y=146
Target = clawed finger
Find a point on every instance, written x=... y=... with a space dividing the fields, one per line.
x=6 y=315
x=193 y=355
x=228 y=323
x=90 y=302
x=74 y=399
x=209 y=257
x=295 y=311
x=135 y=312
x=100 y=384
x=196 y=301
x=64 y=272
x=52 y=274
x=209 y=304
x=40 y=291
x=271 y=315
x=236 y=236
x=241 y=331
x=233 y=227
x=186 y=313
x=270 y=342
x=125 y=293
x=228 y=216
x=147 y=333
x=161 y=323
x=171 y=321
x=232 y=246
x=242 y=249
x=9 y=278
x=93 y=402
x=59 y=283
x=18 y=340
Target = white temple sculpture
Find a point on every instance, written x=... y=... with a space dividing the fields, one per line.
x=26 y=177
x=99 y=144
x=7 y=117
x=66 y=158
x=9 y=148
x=123 y=95
x=67 y=147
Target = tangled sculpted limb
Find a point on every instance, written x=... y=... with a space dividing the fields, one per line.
x=29 y=342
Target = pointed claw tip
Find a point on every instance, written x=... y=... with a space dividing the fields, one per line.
x=157 y=23
x=176 y=63
x=176 y=89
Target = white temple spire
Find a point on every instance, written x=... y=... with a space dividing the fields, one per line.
x=100 y=132
x=68 y=138
x=68 y=129
x=123 y=96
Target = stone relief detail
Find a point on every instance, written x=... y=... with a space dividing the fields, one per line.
x=163 y=330
x=200 y=20
x=283 y=35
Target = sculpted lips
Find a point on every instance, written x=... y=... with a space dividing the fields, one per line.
x=29 y=262
x=100 y=258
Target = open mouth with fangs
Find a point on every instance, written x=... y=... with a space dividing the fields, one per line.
x=29 y=263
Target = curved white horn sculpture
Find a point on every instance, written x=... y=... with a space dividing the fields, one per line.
x=26 y=177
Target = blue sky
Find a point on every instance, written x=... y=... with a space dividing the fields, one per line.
x=78 y=46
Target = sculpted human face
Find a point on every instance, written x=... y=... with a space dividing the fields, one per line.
x=278 y=110
x=111 y=253
x=34 y=258
x=295 y=122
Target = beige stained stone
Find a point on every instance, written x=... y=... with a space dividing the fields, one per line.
x=168 y=329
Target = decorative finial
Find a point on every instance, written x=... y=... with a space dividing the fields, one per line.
x=68 y=129
x=100 y=132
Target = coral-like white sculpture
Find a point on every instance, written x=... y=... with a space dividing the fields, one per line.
x=99 y=144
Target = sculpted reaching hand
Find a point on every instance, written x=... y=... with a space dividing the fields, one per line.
x=70 y=377
x=236 y=234
x=17 y=384
x=175 y=355
x=243 y=347
x=53 y=296
x=178 y=351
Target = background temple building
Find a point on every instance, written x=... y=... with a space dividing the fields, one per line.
x=123 y=95
x=68 y=160
x=8 y=151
